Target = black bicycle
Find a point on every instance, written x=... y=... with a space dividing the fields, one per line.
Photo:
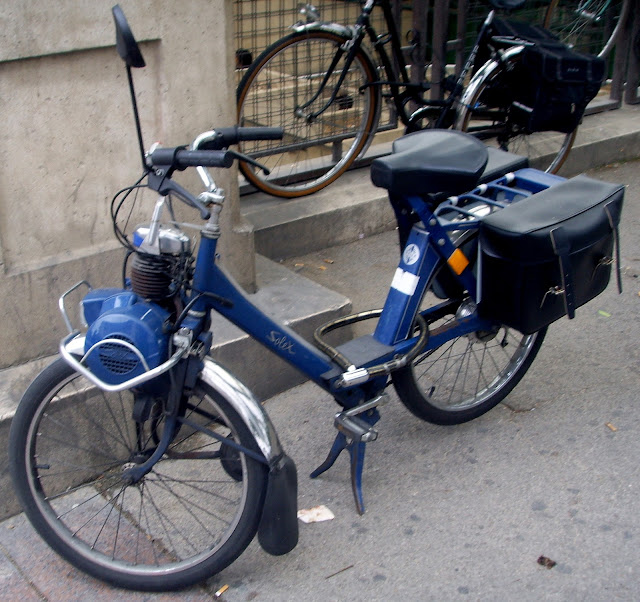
x=321 y=85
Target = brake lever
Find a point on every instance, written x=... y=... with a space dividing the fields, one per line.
x=164 y=186
x=249 y=160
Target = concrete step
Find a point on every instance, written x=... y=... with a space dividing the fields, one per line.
x=353 y=208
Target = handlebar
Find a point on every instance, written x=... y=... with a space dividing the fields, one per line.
x=224 y=137
x=180 y=158
x=206 y=151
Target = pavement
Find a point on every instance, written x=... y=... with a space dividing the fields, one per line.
x=453 y=513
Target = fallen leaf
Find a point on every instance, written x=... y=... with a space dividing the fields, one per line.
x=546 y=562
x=317 y=514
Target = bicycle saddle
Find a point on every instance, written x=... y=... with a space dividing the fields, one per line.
x=431 y=161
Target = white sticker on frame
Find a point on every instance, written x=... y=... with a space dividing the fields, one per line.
x=405 y=282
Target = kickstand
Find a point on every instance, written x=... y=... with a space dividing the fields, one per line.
x=359 y=431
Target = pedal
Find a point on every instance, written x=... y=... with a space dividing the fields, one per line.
x=355 y=428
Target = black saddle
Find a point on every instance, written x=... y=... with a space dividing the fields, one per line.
x=430 y=162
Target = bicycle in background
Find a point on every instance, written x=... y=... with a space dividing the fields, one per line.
x=321 y=85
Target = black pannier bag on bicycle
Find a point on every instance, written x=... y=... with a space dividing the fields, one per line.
x=552 y=84
x=544 y=256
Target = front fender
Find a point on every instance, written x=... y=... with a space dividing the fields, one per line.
x=336 y=28
x=278 y=527
x=245 y=403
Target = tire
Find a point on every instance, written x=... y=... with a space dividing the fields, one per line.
x=589 y=26
x=469 y=375
x=312 y=153
x=484 y=112
x=186 y=520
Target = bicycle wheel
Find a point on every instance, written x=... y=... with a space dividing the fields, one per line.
x=485 y=112
x=188 y=518
x=466 y=376
x=278 y=90
x=589 y=26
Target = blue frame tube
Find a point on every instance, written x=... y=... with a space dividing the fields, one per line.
x=424 y=253
x=280 y=339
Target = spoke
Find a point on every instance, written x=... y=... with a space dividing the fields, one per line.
x=125 y=438
x=165 y=485
x=162 y=518
x=457 y=376
x=81 y=486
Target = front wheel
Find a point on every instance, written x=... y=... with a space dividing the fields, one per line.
x=187 y=519
x=291 y=85
x=485 y=112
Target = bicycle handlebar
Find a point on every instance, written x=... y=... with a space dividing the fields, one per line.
x=225 y=137
x=180 y=158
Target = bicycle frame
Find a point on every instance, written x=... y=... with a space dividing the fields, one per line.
x=216 y=290
x=394 y=66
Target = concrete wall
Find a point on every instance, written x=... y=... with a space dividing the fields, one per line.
x=68 y=143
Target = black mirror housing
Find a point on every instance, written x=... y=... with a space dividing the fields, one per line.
x=126 y=44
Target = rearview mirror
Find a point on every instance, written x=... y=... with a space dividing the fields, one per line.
x=126 y=44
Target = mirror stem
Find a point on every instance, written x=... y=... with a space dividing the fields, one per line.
x=136 y=116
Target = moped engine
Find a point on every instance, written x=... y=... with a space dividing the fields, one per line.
x=125 y=333
x=128 y=330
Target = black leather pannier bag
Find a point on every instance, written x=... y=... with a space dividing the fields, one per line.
x=552 y=86
x=544 y=256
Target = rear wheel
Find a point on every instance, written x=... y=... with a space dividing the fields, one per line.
x=468 y=375
x=485 y=113
x=590 y=26
x=278 y=91
x=187 y=519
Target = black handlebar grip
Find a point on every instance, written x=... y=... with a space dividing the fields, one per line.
x=226 y=137
x=181 y=158
x=260 y=133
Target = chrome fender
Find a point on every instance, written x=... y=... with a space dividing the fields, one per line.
x=486 y=71
x=245 y=403
x=336 y=28
x=278 y=527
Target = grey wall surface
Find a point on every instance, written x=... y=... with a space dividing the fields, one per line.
x=69 y=143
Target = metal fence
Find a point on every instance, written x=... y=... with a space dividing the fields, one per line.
x=259 y=23
x=438 y=35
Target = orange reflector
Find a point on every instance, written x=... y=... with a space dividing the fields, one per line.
x=458 y=261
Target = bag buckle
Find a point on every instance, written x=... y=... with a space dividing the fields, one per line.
x=554 y=290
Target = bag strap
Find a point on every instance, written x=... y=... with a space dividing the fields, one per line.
x=562 y=248
x=616 y=243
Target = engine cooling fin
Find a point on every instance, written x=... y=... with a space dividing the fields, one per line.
x=151 y=276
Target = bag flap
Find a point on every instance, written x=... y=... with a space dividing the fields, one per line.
x=561 y=64
x=521 y=230
x=523 y=30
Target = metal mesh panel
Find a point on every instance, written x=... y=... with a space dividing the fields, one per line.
x=259 y=23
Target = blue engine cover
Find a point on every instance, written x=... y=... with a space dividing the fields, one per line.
x=122 y=315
